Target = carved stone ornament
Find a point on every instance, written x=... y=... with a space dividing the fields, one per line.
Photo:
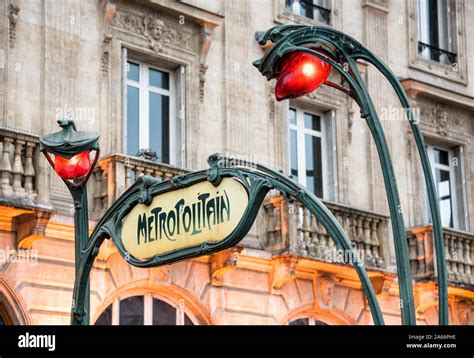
x=284 y=270
x=464 y=313
x=13 y=17
x=325 y=291
x=162 y=273
x=154 y=28
x=273 y=102
x=105 y=54
x=223 y=262
x=441 y=118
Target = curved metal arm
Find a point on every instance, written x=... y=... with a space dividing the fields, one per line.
x=342 y=48
x=296 y=38
x=430 y=186
x=292 y=189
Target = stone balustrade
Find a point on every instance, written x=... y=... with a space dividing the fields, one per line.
x=292 y=227
x=18 y=166
x=459 y=251
x=117 y=172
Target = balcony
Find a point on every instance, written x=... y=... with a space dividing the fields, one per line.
x=17 y=169
x=291 y=227
x=115 y=173
x=459 y=251
x=22 y=205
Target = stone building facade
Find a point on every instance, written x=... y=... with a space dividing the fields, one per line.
x=117 y=66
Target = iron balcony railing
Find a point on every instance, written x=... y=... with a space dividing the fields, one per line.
x=310 y=10
x=436 y=54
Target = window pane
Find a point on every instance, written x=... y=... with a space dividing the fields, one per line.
x=133 y=116
x=314 y=179
x=131 y=311
x=133 y=71
x=443 y=184
x=313 y=9
x=299 y=322
x=4 y=318
x=312 y=122
x=441 y=156
x=319 y=323
x=436 y=25
x=292 y=116
x=293 y=155
x=159 y=79
x=159 y=126
x=163 y=313
x=423 y=21
x=443 y=180
x=105 y=319
x=187 y=321
x=446 y=214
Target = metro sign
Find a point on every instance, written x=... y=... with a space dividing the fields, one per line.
x=201 y=213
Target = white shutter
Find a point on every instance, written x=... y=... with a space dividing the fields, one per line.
x=181 y=118
x=124 y=98
x=329 y=150
x=460 y=189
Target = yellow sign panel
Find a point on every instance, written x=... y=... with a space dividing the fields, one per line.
x=183 y=218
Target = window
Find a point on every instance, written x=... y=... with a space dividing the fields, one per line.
x=312 y=9
x=306 y=321
x=436 y=30
x=4 y=318
x=442 y=164
x=150 y=125
x=308 y=160
x=144 y=310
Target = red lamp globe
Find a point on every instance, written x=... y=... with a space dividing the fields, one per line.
x=300 y=74
x=76 y=167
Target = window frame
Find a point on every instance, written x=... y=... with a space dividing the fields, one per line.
x=5 y=316
x=281 y=15
x=456 y=73
x=301 y=132
x=143 y=106
x=424 y=30
x=452 y=180
x=325 y=5
x=312 y=320
x=148 y=309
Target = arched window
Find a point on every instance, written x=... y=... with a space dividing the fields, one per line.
x=4 y=318
x=144 y=310
x=307 y=321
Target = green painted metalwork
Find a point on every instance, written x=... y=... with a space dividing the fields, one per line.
x=342 y=52
x=257 y=180
x=67 y=143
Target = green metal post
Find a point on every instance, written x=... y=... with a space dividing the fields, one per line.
x=68 y=143
x=81 y=226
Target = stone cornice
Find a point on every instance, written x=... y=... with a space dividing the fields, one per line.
x=195 y=14
x=416 y=88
